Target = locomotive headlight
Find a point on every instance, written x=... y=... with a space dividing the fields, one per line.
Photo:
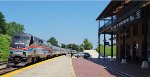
x=11 y=52
x=24 y=53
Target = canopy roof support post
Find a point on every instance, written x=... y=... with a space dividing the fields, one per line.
x=99 y=40
x=111 y=59
x=123 y=41
x=104 y=39
x=123 y=50
x=145 y=24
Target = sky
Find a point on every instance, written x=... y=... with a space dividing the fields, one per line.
x=67 y=21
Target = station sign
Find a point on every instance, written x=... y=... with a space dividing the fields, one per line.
x=136 y=15
x=106 y=43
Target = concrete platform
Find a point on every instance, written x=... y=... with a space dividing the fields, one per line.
x=57 y=67
x=63 y=66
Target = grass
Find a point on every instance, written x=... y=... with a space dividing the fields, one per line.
x=107 y=50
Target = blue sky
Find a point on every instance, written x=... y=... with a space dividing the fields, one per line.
x=67 y=21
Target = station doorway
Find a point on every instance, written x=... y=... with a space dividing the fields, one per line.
x=135 y=58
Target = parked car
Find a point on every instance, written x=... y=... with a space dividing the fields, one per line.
x=79 y=54
x=82 y=54
x=87 y=55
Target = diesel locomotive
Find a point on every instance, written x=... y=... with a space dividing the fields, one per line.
x=26 y=49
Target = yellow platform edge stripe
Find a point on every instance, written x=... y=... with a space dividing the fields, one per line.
x=22 y=69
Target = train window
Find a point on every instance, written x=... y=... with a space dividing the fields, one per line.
x=21 y=37
x=25 y=38
x=40 y=41
x=31 y=41
x=35 y=39
x=45 y=43
x=19 y=41
x=16 y=37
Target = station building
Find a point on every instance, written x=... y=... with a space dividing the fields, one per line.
x=128 y=22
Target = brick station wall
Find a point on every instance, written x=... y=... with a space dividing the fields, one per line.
x=133 y=40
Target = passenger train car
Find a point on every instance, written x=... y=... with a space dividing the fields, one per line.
x=25 y=49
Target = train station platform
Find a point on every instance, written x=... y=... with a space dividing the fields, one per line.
x=85 y=68
x=63 y=66
x=56 y=67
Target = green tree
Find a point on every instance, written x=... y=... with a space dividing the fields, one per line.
x=53 y=41
x=73 y=47
x=81 y=48
x=86 y=44
x=14 y=28
x=2 y=24
x=63 y=46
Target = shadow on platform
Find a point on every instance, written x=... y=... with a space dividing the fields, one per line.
x=132 y=69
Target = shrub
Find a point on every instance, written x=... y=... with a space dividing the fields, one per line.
x=4 y=46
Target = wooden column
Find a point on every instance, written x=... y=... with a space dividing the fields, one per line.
x=104 y=39
x=145 y=24
x=112 y=40
x=123 y=41
x=99 y=38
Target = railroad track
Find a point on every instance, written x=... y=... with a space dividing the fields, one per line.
x=6 y=70
x=3 y=63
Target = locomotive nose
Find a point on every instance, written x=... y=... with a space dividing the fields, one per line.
x=17 y=59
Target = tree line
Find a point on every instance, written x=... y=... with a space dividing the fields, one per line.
x=10 y=28
x=86 y=45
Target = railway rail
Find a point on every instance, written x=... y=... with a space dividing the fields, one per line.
x=3 y=63
x=7 y=69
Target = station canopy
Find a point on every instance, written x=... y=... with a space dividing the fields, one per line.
x=112 y=8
